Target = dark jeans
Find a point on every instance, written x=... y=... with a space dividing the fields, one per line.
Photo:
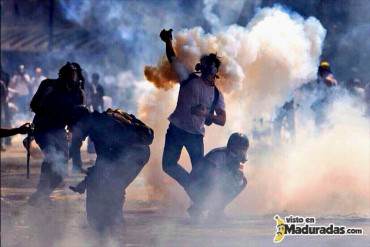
x=106 y=184
x=176 y=139
x=54 y=146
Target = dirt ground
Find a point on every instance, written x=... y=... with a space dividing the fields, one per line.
x=63 y=221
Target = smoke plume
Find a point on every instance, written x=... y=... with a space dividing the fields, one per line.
x=262 y=64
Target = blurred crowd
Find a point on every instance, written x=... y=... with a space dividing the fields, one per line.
x=18 y=88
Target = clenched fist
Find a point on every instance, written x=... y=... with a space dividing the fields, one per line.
x=166 y=35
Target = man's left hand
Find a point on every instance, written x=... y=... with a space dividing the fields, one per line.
x=209 y=120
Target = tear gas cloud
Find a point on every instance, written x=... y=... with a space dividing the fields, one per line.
x=262 y=64
x=270 y=57
x=321 y=173
x=324 y=173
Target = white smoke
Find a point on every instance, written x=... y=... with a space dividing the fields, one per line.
x=212 y=18
x=326 y=173
x=262 y=64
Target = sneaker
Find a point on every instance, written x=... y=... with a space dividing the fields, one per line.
x=79 y=188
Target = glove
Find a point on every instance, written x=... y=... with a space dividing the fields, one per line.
x=166 y=35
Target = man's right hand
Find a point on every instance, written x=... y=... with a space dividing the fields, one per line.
x=166 y=35
x=24 y=129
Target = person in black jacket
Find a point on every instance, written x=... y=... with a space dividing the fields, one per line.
x=53 y=104
x=122 y=147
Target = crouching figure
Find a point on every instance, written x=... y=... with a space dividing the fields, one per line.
x=219 y=178
x=122 y=147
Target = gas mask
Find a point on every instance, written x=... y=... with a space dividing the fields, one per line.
x=239 y=155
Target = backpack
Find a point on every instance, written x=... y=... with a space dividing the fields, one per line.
x=144 y=134
x=215 y=98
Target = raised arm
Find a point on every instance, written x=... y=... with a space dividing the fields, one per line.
x=166 y=37
x=180 y=69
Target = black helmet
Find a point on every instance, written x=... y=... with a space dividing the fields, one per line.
x=66 y=70
x=237 y=140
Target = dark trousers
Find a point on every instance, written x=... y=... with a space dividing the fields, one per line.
x=54 y=146
x=176 y=139
x=106 y=184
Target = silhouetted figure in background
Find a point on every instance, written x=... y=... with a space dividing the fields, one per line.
x=37 y=79
x=94 y=101
x=4 y=76
x=122 y=148
x=324 y=91
x=88 y=91
x=314 y=97
x=97 y=101
x=285 y=120
x=53 y=103
x=4 y=108
x=21 y=84
x=94 y=94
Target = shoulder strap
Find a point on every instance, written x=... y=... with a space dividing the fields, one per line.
x=190 y=77
x=119 y=115
x=215 y=100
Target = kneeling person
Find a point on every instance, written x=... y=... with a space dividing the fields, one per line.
x=219 y=179
x=122 y=147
